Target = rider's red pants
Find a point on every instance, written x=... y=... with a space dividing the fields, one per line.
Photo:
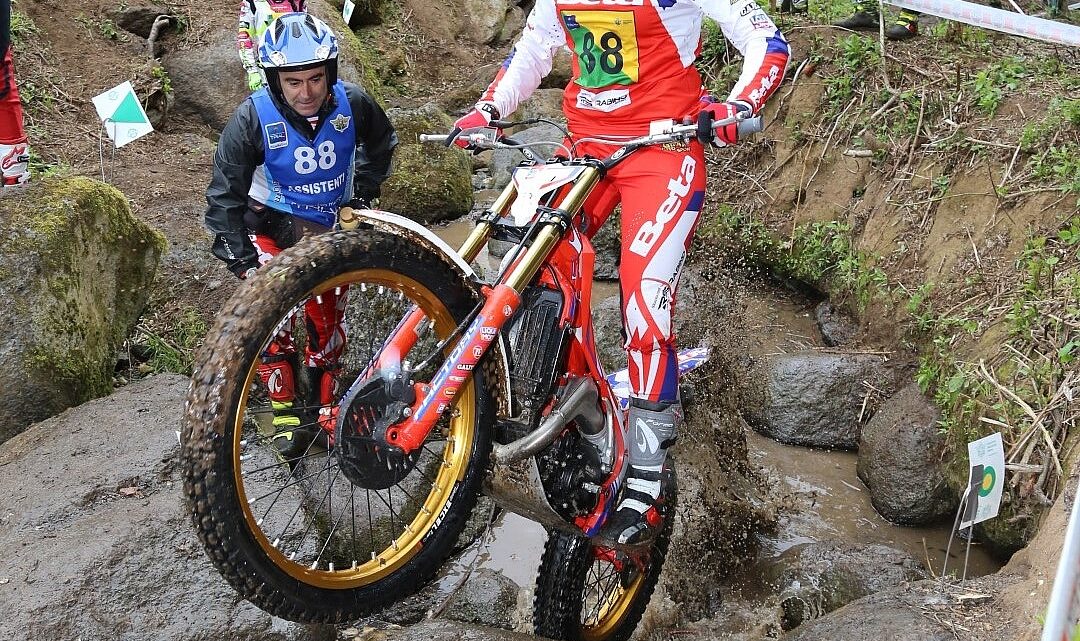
x=324 y=321
x=661 y=190
x=11 y=115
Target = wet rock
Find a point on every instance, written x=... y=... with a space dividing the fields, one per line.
x=106 y=562
x=837 y=326
x=607 y=245
x=442 y=630
x=816 y=578
x=75 y=268
x=816 y=399
x=900 y=453
x=893 y=614
x=607 y=324
x=487 y=598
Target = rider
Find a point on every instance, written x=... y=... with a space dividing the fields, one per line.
x=290 y=156
x=633 y=65
x=14 y=152
x=255 y=16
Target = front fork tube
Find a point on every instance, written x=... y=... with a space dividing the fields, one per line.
x=502 y=301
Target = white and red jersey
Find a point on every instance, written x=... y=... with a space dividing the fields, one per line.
x=633 y=59
x=255 y=17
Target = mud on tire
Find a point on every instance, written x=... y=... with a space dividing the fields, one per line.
x=583 y=594
x=310 y=573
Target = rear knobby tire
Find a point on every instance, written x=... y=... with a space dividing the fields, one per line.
x=289 y=553
x=581 y=595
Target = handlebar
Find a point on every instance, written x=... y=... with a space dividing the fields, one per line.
x=675 y=132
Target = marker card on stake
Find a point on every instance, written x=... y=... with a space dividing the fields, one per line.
x=986 y=477
x=122 y=114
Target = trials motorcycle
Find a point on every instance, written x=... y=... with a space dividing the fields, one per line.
x=448 y=386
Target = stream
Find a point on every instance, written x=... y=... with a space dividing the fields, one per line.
x=826 y=481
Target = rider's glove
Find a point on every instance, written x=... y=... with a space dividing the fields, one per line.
x=480 y=116
x=711 y=109
x=254 y=81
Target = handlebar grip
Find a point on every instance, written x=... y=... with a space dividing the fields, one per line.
x=750 y=126
x=433 y=138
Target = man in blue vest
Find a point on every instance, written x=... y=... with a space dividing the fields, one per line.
x=292 y=154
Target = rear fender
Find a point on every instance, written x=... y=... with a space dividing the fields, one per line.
x=415 y=232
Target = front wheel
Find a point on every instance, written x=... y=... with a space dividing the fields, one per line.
x=585 y=592
x=304 y=529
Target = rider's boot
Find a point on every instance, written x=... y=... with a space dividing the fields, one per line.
x=864 y=17
x=15 y=165
x=291 y=436
x=905 y=27
x=324 y=388
x=651 y=431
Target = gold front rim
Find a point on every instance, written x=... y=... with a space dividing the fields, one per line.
x=450 y=471
x=612 y=611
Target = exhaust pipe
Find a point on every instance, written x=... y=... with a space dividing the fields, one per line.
x=578 y=404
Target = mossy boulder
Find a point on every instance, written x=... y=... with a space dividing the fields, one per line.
x=75 y=270
x=430 y=182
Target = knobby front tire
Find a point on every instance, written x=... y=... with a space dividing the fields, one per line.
x=297 y=537
x=589 y=593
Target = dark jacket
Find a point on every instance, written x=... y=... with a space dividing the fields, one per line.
x=240 y=150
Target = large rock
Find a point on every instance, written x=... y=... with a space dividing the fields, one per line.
x=903 y=613
x=208 y=80
x=503 y=161
x=430 y=182
x=75 y=267
x=900 y=460
x=441 y=630
x=608 y=245
x=101 y=545
x=815 y=578
x=816 y=399
x=485 y=21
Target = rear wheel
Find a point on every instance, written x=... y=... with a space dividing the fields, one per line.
x=586 y=592
x=331 y=533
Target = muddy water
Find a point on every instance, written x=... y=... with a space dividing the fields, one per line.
x=838 y=505
x=835 y=505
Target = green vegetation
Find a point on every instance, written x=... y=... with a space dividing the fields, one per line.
x=102 y=27
x=1054 y=143
x=990 y=84
x=820 y=254
x=1020 y=384
x=161 y=77
x=171 y=346
x=857 y=54
x=23 y=29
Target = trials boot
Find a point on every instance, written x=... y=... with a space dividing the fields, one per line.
x=865 y=18
x=905 y=27
x=651 y=431
x=292 y=437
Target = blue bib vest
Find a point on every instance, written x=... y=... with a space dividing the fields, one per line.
x=309 y=179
